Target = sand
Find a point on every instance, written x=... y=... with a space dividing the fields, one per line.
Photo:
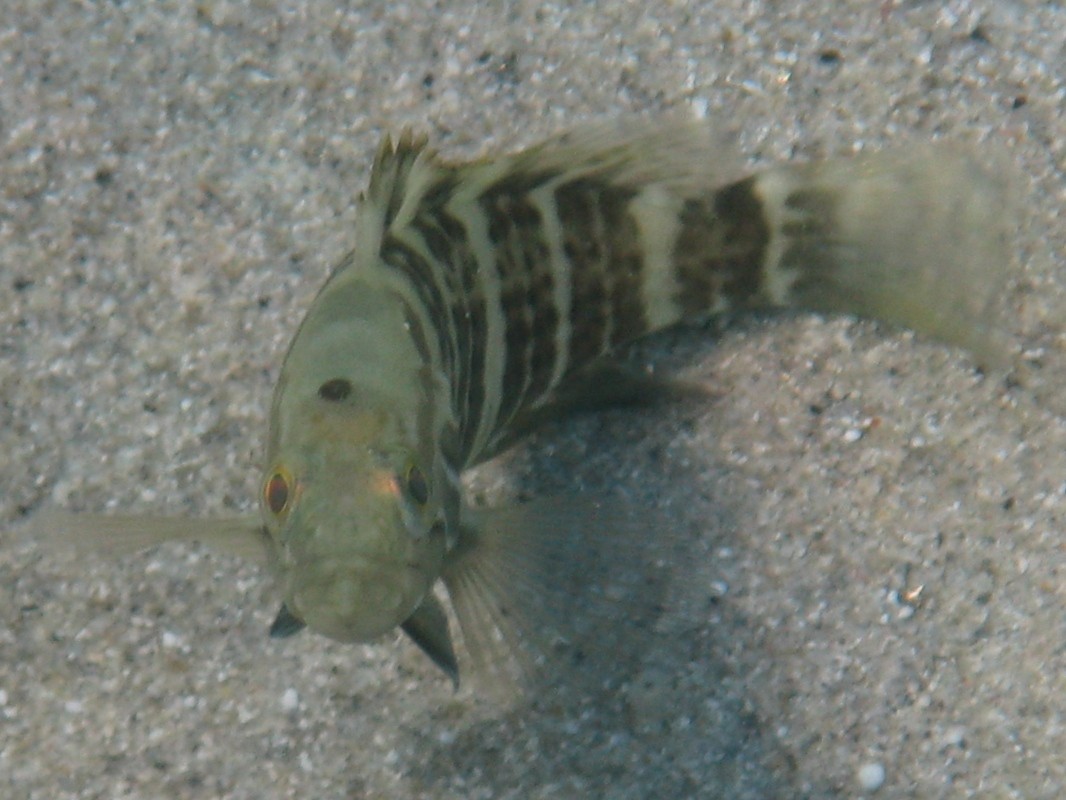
x=872 y=528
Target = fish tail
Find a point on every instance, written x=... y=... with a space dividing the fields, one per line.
x=916 y=239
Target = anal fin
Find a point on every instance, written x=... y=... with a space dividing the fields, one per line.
x=603 y=384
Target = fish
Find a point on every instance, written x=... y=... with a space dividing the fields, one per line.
x=483 y=298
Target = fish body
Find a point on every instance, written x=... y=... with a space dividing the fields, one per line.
x=483 y=297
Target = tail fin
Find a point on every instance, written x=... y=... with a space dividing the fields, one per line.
x=918 y=239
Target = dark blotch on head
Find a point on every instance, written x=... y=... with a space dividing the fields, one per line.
x=335 y=389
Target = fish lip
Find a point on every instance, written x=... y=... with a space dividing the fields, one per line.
x=360 y=563
x=355 y=597
x=345 y=561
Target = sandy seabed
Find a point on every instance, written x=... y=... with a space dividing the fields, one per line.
x=875 y=526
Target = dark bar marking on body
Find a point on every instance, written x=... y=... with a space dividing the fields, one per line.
x=806 y=249
x=448 y=240
x=400 y=256
x=523 y=265
x=577 y=204
x=721 y=248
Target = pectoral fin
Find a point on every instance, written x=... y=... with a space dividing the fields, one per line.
x=122 y=534
x=428 y=628
x=566 y=586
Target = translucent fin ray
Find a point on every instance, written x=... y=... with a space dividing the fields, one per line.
x=566 y=572
x=119 y=535
x=917 y=238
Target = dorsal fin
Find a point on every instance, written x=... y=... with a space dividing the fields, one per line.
x=402 y=170
x=688 y=156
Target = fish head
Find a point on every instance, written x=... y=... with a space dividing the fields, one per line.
x=356 y=527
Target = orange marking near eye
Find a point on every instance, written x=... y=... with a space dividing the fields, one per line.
x=385 y=483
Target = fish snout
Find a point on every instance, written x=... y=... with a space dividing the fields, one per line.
x=353 y=599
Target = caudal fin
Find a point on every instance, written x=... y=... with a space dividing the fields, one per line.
x=913 y=238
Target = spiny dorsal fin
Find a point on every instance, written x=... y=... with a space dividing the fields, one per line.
x=401 y=173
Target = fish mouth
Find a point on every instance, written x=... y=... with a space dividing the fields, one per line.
x=356 y=564
x=355 y=597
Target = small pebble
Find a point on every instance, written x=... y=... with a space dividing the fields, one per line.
x=447 y=736
x=955 y=737
x=290 y=700
x=871 y=776
x=171 y=640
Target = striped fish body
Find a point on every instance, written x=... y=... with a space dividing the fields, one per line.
x=479 y=294
x=522 y=272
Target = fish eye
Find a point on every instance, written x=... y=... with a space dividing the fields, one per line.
x=417 y=487
x=277 y=491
